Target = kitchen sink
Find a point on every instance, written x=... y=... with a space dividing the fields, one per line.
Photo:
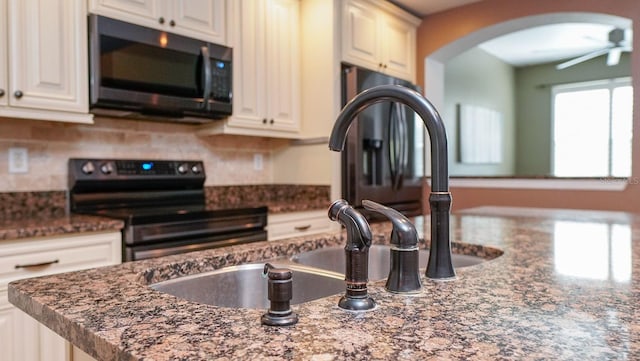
x=244 y=286
x=316 y=274
x=333 y=259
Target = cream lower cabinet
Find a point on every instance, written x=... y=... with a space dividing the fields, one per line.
x=266 y=73
x=379 y=36
x=22 y=338
x=43 y=56
x=295 y=224
x=200 y=19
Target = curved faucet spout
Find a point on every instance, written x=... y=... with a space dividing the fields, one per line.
x=440 y=265
x=415 y=101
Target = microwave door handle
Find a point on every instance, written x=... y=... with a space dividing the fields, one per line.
x=206 y=68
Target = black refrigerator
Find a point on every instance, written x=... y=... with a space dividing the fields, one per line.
x=383 y=159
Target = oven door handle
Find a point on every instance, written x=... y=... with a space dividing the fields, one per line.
x=206 y=69
x=144 y=237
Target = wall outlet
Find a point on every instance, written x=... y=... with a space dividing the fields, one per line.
x=257 y=161
x=18 y=160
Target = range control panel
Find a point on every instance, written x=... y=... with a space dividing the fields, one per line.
x=103 y=169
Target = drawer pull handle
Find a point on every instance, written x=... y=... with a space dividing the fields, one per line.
x=302 y=228
x=36 y=265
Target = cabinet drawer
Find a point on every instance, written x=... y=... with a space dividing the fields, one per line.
x=42 y=256
x=297 y=224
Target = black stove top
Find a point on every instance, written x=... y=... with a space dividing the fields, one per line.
x=143 y=191
x=138 y=216
x=163 y=205
x=115 y=184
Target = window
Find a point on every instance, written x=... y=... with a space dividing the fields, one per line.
x=592 y=129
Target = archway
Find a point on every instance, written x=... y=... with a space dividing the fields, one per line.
x=434 y=63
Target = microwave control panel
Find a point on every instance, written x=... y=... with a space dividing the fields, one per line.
x=221 y=80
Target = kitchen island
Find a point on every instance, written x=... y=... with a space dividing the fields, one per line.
x=558 y=285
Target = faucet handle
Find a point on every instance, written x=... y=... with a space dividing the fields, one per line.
x=404 y=233
x=404 y=276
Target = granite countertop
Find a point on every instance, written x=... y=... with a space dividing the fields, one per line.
x=46 y=225
x=565 y=288
x=45 y=214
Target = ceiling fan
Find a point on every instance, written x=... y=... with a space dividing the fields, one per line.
x=613 y=51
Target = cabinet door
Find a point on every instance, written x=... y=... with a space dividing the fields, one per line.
x=141 y=12
x=8 y=338
x=24 y=339
x=266 y=73
x=249 y=108
x=283 y=64
x=35 y=342
x=204 y=19
x=398 y=51
x=360 y=34
x=4 y=81
x=48 y=55
x=296 y=224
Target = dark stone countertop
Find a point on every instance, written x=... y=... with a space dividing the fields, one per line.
x=566 y=288
x=45 y=214
x=47 y=225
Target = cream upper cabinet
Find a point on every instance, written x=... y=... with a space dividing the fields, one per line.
x=43 y=51
x=379 y=36
x=22 y=338
x=4 y=81
x=200 y=19
x=266 y=74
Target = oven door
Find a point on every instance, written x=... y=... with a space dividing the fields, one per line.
x=168 y=247
x=181 y=233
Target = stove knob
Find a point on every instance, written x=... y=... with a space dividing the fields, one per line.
x=196 y=169
x=183 y=168
x=107 y=168
x=88 y=168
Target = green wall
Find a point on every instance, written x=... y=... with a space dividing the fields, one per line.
x=480 y=79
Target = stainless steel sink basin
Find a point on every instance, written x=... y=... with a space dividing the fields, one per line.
x=244 y=287
x=333 y=259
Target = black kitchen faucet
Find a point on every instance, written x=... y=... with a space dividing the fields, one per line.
x=440 y=266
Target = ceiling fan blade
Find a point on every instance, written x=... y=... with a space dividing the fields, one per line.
x=614 y=56
x=582 y=58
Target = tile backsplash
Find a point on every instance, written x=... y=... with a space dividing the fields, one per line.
x=228 y=159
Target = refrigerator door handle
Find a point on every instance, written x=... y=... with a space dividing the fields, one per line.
x=395 y=146
x=392 y=146
x=404 y=146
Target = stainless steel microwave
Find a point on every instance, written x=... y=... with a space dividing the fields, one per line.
x=142 y=72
